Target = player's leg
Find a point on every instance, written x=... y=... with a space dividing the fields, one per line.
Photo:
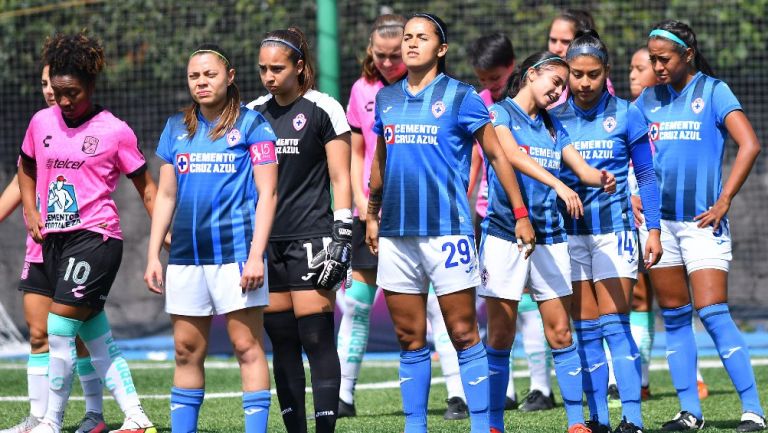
x=538 y=355
x=93 y=391
x=190 y=340
x=642 y=319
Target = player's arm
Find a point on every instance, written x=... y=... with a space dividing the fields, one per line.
x=376 y=188
x=27 y=183
x=356 y=173
x=488 y=140
x=10 y=199
x=265 y=177
x=475 y=168
x=587 y=174
x=337 y=152
x=740 y=128
x=642 y=164
x=162 y=213
x=147 y=188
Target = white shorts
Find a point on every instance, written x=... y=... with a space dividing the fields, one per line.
x=207 y=290
x=685 y=244
x=598 y=257
x=505 y=272
x=409 y=264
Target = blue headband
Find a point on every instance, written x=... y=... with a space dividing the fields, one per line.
x=668 y=35
x=541 y=62
x=437 y=24
x=586 y=51
x=286 y=43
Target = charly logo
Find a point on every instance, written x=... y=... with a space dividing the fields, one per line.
x=299 y=121
x=438 y=108
x=89 y=145
x=609 y=124
x=697 y=105
x=233 y=137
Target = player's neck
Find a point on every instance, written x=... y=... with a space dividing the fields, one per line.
x=527 y=103
x=417 y=80
x=287 y=98
x=680 y=85
x=212 y=112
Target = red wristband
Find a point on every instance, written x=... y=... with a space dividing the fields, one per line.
x=520 y=212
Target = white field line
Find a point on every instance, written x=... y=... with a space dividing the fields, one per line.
x=656 y=365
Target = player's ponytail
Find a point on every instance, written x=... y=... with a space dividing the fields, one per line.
x=535 y=61
x=293 y=40
x=686 y=35
x=386 y=26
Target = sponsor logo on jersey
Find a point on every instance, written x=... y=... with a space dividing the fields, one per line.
x=653 y=131
x=525 y=148
x=47 y=141
x=89 y=145
x=182 y=163
x=62 y=209
x=233 y=137
x=609 y=124
x=70 y=164
x=263 y=153
x=389 y=134
x=299 y=121
x=386 y=110
x=438 y=108
x=697 y=105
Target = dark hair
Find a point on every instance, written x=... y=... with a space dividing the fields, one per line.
x=581 y=19
x=386 y=26
x=684 y=32
x=77 y=54
x=293 y=40
x=491 y=51
x=231 y=110
x=588 y=43
x=536 y=61
x=441 y=29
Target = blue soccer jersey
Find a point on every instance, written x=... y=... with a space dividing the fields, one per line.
x=606 y=136
x=429 y=139
x=216 y=194
x=533 y=137
x=688 y=132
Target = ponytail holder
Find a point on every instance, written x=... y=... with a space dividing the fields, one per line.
x=586 y=51
x=437 y=24
x=286 y=43
x=668 y=35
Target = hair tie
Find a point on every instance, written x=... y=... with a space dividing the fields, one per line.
x=226 y=61
x=586 y=51
x=668 y=35
x=437 y=24
x=286 y=43
x=542 y=62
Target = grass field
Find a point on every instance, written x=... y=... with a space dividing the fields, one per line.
x=377 y=401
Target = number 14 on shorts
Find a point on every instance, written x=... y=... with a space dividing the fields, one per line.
x=626 y=243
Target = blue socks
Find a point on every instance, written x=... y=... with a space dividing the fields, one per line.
x=594 y=368
x=185 y=407
x=682 y=356
x=256 y=408
x=473 y=368
x=626 y=364
x=498 y=369
x=734 y=354
x=568 y=370
x=415 y=376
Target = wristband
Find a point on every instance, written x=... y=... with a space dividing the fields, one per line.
x=520 y=212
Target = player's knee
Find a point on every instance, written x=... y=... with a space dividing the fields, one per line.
x=410 y=338
x=559 y=335
x=189 y=352
x=247 y=350
x=38 y=339
x=463 y=335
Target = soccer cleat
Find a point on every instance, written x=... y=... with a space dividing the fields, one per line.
x=627 y=427
x=751 y=422
x=614 y=400
x=25 y=426
x=595 y=426
x=579 y=428
x=131 y=425
x=45 y=426
x=645 y=393
x=536 y=400
x=683 y=421
x=510 y=403
x=346 y=410
x=92 y=422
x=703 y=389
x=457 y=409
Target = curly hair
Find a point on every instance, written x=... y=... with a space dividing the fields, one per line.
x=75 y=54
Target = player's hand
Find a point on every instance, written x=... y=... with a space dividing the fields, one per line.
x=637 y=210
x=526 y=238
x=154 y=276
x=653 y=250
x=35 y=226
x=167 y=242
x=608 y=180
x=714 y=214
x=333 y=261
x=372 y=233
x=572 y=201
x=252 y=276
x=362 y=207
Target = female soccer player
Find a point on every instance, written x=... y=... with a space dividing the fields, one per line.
x=493 y=60
x=219 y=165
x=37 y=298
x=71 y=158
x=426 y=125
x=608 y=132
x=313 y=151
x=523 y=119
x=690 y=115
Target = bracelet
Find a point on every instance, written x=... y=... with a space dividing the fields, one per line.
x=520 y=212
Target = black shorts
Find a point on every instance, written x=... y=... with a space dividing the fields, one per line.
x=361 y=255
x=34 y=280
x=288 y=264
x=82 y=266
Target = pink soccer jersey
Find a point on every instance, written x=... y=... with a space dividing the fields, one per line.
x=78 y=168
x=481 y=206
x=360 y=116
x=34 y=251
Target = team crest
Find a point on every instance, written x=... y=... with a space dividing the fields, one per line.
x=233 y=137
x=484 y=277
x=697 y=105
x=299 y=121
x=438 y=108
x=525 y=149
x=182 y=163
x=609 y=124
x=492 y=113
x=389 y=134
x=89 y=145
x=653 y=131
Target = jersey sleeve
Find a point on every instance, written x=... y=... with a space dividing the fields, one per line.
x=724 y=101
x=164 y=145
x=336 y=124
x=130 y=159
x=636 y=124
x=378 y=126
x=353 y=109
x=638 y=103
x=499 y=116
x=472 y=113
x=642 y=164
x=563 y=140
x=261 y=142
x=28 y=145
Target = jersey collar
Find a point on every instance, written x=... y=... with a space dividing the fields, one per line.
x=592 y=112
x=404 y=86
x=533 y=123
x=674 y=93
